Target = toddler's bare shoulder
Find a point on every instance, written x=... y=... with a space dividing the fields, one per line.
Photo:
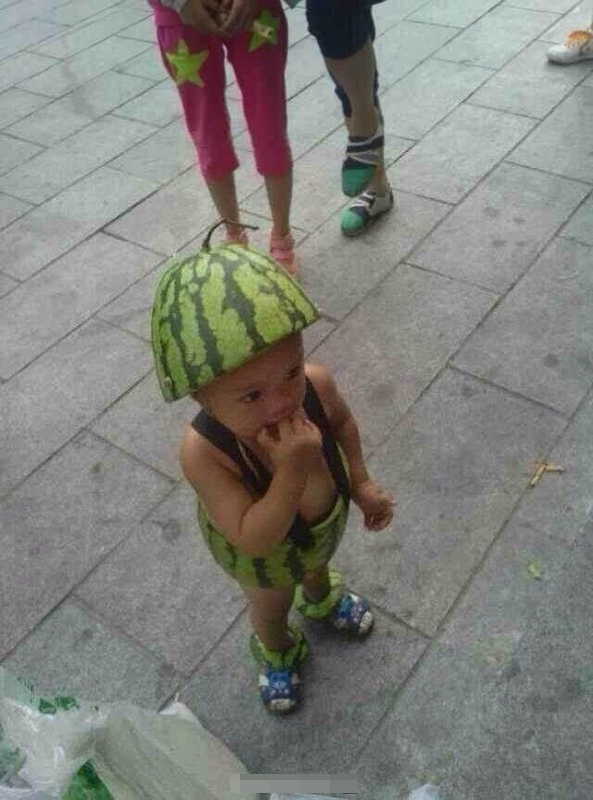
x=200 y=459
x=324 y=384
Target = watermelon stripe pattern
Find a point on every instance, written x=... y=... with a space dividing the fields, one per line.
x=215 y=311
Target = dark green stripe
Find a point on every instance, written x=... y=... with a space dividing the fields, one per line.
x=261 y=573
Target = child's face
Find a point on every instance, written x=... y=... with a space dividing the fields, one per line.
x=260 y=393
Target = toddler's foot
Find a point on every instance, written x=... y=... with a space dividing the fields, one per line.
x=578 y=46
x=282 y=251
x=342 y=609
x=365 y=210
x=363 y=156
x=279 y=678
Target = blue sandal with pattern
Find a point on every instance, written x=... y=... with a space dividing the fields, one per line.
x=342 y=609
x=279 y=679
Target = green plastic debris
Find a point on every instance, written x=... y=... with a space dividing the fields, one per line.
x=86 y=785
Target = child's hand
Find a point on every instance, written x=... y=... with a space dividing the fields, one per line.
x=375 y=503
x=203 y=15
x=295 y=441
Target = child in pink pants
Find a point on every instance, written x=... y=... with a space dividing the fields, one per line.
x=195 y=61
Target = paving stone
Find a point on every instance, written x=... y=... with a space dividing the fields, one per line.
x=16 y=13
x=131 y=310
x=335 y=696
x=159 y=105
x=427 y=94
x=555 y=145
x=526 y=344
x=46 y=174
x=392 y=346
x=73 y=653
x=22 y=66
x=386 y=15
x=304 y=65
x=580 y=226
x=297 y=25
x=448 y=162
x=458 y=462
x=498 y=36
x=316 y=174
x=25 y=35
x=577 y=18
x=76 y=110
x=11 y=209
x=450 y=12
x=16 y=104
x=69 y=291
x=166 y=551
x=62 y=521
x=516 y=652
x=147 y=65
x=62 y=391
x=557 y=6
x=77 y=11
x=67 y=75
x=161 y=156
x=182 y=208
x=143 y=30
x=6 y=284
x=14 y=151
x=495 y=234
x=49 y=231
x=529 y=84
x=141 y=423
x=339 y=276
x=79 y=39
x=407 y=44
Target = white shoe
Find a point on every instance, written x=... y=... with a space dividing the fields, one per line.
x=577 y=47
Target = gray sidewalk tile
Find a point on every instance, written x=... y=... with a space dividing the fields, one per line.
x=131 y=310
x=460 y=150
x=579 y=18
x=143 y=425
x=6 y=284
x=62 y=520
x=556 y=146
x=74 y=111
x=25 y=35
x=580 y=226
x=14 y=151
x=338 y=274
x=49 y=231
x=158 y=106
x=147 y=65
x=79 y=39
x=64 y=390
x=11 y=209
x=162 y=588
x=427 y=94
x=182 y=208
x=457 y=463
x=347 y=685
x=493 y=236
x=498 y=36
x=394 y=344
x=297 y=25
x=386 y=15
x=60 y=79
x=68 y=291
x=22 y=66
x=143 y=30
x=77 y=11
x=556 y=6
x=539 y=341
x=304 y=65
x=16 y=104
x=46 y=174
x=451 y=12
x=14 y=14
x=529 y=84
x=161 y=157
x=405 y=46
x=73 y=653
x=516 y=652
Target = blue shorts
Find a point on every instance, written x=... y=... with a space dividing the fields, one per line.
x=342 y=28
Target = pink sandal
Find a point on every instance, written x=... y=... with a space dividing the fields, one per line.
x=282 y=251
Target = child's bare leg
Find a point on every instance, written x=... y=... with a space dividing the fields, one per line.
x=224 y=197
x=268 y=612
x=316 y=584
x=356 y=75
x=279 y=189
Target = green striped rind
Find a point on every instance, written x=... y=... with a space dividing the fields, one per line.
x=290 y=659
x=216 y=310
x=324 y=607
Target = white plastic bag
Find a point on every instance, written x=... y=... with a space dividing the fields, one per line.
x=426 y=792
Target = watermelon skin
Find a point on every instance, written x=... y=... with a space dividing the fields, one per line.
x=215 y=311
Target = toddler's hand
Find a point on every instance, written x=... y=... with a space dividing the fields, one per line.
x=375 y=503
x=203 y=15
x=295 y=440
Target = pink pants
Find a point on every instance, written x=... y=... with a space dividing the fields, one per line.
x=196 y=62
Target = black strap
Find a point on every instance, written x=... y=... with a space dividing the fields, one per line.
x=220 y=436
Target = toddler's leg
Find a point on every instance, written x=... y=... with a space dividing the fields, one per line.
x=268 y=611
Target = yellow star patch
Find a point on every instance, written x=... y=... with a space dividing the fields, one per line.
x=186 y=65
x=264 y=30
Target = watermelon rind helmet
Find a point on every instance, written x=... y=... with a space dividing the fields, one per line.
x=219 y=308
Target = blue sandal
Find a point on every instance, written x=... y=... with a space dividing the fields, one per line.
x=279 y=678
x=342 y=609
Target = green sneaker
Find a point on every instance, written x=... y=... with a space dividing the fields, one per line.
x=365 y=210
x=363 y=156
